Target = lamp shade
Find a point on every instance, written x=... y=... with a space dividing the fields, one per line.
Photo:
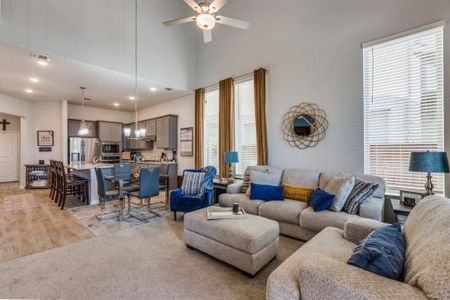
x=429 y=162
x=231 y=157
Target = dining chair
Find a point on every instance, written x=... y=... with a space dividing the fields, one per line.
x=69 y=185
x=106 y=189
x=148 y=186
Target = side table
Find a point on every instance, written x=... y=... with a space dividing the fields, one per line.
x=401 y=211
x=219 y=187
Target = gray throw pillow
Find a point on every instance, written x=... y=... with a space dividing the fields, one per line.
x=362 y=191
x=340 y=187
x=264 y=178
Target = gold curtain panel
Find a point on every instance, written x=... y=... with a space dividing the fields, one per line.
x=260 y=115
x=226 y=122
x=198 y=135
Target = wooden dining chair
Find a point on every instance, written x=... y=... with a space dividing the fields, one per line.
x=70 y=185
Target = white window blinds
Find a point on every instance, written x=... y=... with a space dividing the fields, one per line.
x=403 y=107
x=211 y=129
x=245 y=125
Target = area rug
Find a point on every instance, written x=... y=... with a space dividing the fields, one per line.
x=19 y=202
x=149 y=261
x=104 y=221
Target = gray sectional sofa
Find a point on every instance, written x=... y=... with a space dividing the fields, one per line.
x=295 y=218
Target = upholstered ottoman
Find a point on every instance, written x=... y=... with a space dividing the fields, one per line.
x=247 y=244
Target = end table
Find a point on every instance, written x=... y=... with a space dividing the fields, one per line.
x=400 y=210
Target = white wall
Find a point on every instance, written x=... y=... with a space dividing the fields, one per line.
x=101 y=32
x=312 y=50
x=98 y=114
x=185 y=109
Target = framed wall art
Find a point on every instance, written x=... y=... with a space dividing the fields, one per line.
x=186 y=142
x=45 y=138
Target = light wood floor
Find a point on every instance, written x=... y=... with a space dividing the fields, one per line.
x=27 y=231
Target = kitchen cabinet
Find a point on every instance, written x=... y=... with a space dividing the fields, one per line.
x=150 y=125
x=110 y=132
x=74 y=125
x=167 y=132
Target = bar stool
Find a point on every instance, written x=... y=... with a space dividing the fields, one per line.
x=70 y=185
x=52 y=179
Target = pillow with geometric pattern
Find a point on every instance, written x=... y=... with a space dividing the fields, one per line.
x=362 y=191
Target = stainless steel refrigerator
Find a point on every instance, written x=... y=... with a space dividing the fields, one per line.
x=83 y=149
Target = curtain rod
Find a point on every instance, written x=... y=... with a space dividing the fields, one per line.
x=235 y=78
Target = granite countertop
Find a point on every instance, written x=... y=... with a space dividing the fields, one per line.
x=151 y=162
x=88 y=166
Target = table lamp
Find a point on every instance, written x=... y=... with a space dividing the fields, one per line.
x=231 y=158
x=429 y=162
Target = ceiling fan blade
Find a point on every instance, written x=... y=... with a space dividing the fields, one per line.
x=216 y=5
x=193 y=5
x=232 y=22
x=179 y=21
x=207 y=36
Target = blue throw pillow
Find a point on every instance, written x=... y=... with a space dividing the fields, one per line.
x=320 y=200
x=266 y=192
x=382 y=252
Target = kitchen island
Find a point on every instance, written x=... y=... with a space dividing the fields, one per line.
x=87 y=171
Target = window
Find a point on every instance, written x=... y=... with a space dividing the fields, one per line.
x=245 y=125
x=211 y=129
x=403 y=107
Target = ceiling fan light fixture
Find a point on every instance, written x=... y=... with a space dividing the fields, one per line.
x=206 y=21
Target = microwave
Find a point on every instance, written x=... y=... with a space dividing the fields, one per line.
x=110 y=148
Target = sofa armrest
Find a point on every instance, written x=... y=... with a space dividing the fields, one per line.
x=235 y=188
x=326 y=278
x=373 y=209
x=357 y=229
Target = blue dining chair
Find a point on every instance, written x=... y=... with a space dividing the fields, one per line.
x=179 y=202
x=148 y=186
x=105 y=188
x=124 y=172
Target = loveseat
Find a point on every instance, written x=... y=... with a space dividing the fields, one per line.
x=318 y=270
x=295 y=218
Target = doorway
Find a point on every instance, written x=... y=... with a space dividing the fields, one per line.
x=8 y=156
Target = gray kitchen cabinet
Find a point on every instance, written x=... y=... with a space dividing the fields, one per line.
x=167 y=132
x=109 y=132
x=132 y=143
x=150 y=125
x=74 y=125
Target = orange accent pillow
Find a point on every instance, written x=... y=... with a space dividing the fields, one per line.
x=297 y=192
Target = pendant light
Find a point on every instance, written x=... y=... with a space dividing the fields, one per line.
x=139 y=133
x=83 y=130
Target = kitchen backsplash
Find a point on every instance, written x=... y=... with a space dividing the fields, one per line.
x=155 y=154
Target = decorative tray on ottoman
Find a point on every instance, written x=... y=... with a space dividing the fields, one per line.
x=216 y=212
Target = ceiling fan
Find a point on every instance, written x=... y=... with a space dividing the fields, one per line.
x=207 y=18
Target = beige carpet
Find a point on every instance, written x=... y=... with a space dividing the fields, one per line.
x=149 y=261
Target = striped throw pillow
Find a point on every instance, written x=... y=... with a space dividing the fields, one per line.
x=362 y=191
x=192 y=183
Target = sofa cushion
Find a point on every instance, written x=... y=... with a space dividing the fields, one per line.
x=283 y=282
x=246 y=181
x=283 y=211
x=320 y=200
x=427 y=234
x=250 y=206
x=361 y=193
x=317 y=221
x=299 y=177
x=382 y=252
x=379 y=192
x=297 y=192
x=266 y=192
x=250 y=234
x=192 y=181
x=340 y=187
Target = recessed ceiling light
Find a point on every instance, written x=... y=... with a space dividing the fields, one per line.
x=131 y=98
x=153 y=89
x=116 y=104
x=28 y=91
x=42 y=62
x=34 y=79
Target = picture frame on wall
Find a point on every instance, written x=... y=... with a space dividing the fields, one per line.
x=410 y=198
x=186 y=142
x=45 y=138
